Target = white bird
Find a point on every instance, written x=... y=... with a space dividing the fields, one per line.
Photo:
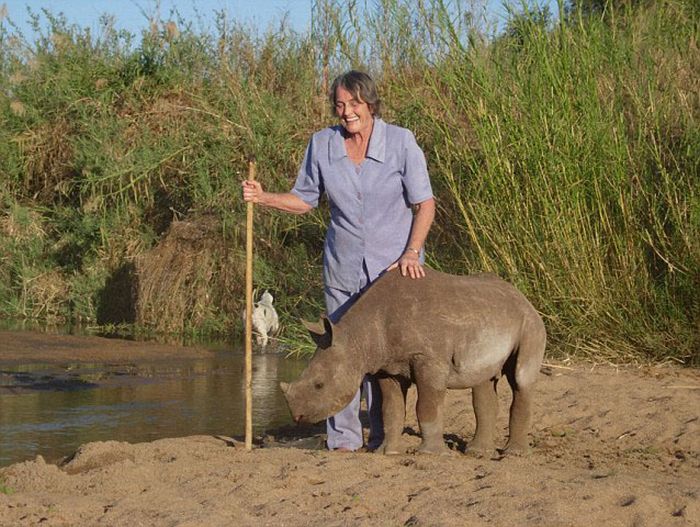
x=265 y=319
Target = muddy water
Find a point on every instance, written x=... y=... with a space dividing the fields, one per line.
x=50 y=410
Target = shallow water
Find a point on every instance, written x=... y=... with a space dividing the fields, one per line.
x=51 y=410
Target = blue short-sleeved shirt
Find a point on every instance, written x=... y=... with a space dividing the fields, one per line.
x=371 y=214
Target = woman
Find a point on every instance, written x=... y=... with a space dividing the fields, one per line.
x=375 y=177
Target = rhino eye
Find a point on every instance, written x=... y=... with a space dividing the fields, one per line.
x=318 y=385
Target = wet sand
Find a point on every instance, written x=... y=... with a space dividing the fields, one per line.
x=23 y=347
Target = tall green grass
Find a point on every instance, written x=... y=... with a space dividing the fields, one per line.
x=564 y=156
x=582 y=181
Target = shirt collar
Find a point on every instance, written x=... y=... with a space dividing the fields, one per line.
x=377 y=143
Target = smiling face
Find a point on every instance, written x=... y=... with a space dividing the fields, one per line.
x=355 y=114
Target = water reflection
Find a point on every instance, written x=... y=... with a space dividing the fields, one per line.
x=137 y=403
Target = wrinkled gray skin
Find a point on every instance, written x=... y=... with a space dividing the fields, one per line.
x=439 y=332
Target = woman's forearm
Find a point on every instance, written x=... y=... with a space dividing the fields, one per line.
x=422 y=221
x=284 y=201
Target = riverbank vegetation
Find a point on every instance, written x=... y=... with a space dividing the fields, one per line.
x=564 y=155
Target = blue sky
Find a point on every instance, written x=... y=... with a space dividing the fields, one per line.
x=129 y=14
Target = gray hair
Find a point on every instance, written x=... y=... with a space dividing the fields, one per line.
x=361 y=86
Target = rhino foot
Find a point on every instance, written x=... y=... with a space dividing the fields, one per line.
x=513 y=450
x=387 y=450
x=480 y=453
x=441 y=450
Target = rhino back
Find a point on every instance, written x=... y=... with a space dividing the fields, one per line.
x=471 y=323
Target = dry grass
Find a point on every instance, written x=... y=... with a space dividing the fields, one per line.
x=43 y=296
x=22 y=225
x=188 y=279
x=48 y=158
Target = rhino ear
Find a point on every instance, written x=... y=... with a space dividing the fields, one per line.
x=321 y=332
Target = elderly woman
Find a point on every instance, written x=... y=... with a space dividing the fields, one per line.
x=375 y=178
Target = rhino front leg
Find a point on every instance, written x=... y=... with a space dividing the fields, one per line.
x=394 y=390
x=485 y=400
x=431 y=386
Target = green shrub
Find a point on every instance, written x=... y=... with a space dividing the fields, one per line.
x=563 y=155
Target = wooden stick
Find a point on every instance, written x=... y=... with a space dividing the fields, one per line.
x=249 y=319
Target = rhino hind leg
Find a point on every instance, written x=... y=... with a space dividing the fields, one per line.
x=519 y=422
x=394 y=389
x=521 y=371
x=485 y=400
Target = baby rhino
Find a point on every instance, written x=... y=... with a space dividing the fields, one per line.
x=439 y=332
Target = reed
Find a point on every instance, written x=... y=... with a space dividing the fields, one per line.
x=564 y=156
